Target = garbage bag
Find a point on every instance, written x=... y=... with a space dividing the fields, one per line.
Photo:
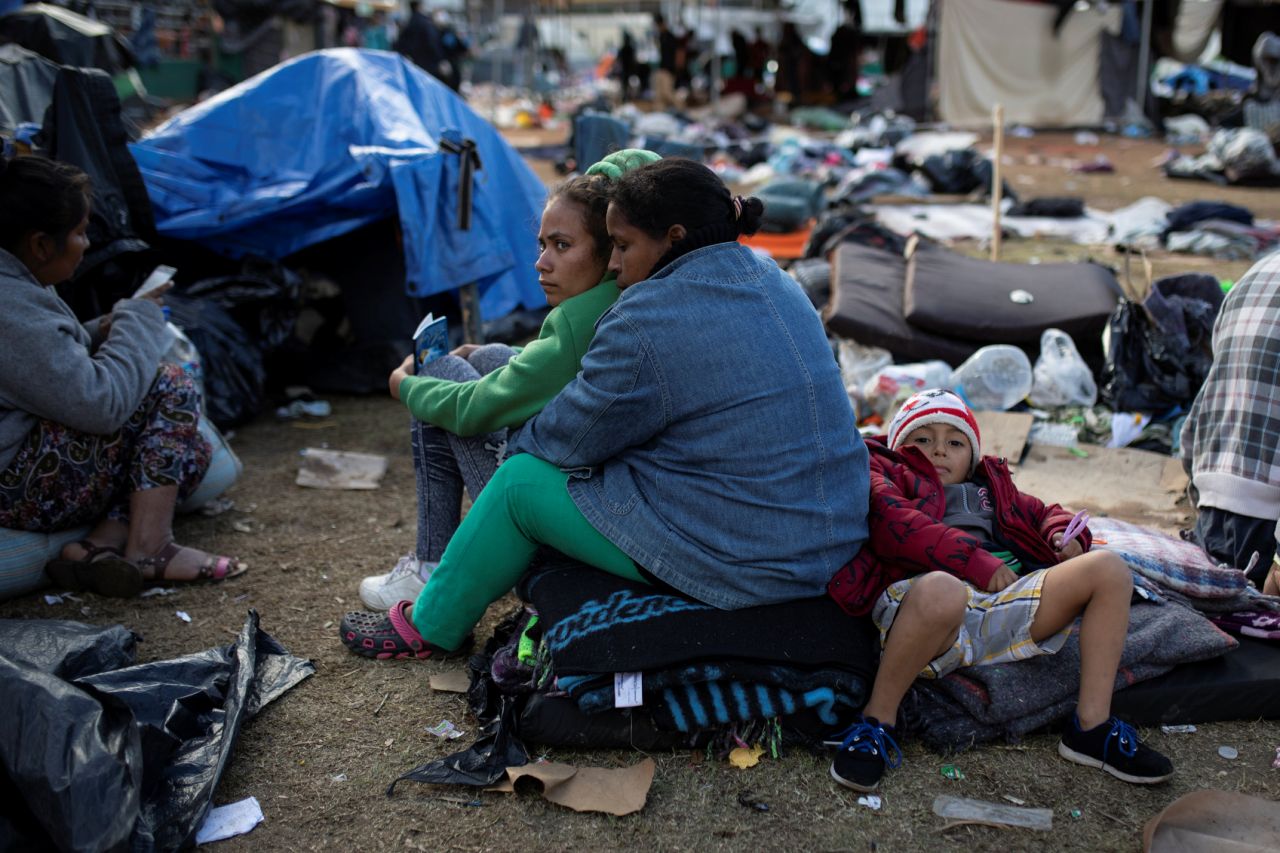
x=264 y=297
x=99 y=755
x=1159 y=352
x=234 y=374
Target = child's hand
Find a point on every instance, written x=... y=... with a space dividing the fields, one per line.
x=1001 y=579
x=398 y=375
x=1073 y=549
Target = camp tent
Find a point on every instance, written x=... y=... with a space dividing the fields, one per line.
x=1005 y=51
x=67 y=38
x=337 y=139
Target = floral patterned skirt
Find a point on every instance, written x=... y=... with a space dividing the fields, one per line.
x=64 y=478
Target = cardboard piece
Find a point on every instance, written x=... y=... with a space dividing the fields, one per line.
x=340 y=469
x=1207 y=820
x=454 y=681
x=1004 y=433
x=1135 y=485
x=586 y=789
x=961 y=810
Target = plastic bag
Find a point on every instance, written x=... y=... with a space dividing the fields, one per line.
x=859 y=363
x=1060 y=377
x=890 y=387
x=234 y=374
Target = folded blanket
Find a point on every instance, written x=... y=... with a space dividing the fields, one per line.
x=598 y=623
x=986 y=703
x=1173 y=563
x=698 y=696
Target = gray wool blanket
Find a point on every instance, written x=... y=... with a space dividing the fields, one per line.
x=1007 y=701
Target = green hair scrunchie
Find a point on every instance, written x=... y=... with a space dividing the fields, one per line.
x=619 y=163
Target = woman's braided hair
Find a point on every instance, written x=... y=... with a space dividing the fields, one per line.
x=675 y=191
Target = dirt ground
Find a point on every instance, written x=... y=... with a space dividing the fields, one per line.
x=319 y=759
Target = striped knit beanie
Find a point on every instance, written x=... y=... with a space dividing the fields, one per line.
x=935 y=406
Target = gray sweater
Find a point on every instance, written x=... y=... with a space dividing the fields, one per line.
x=51 y=370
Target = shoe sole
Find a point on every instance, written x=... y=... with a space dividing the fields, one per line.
x=854 y=785
x=1089 y=761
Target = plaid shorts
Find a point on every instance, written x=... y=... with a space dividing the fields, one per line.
x=996 y=627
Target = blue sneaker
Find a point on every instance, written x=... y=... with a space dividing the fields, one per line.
x=866 y=749
x=1115 y=747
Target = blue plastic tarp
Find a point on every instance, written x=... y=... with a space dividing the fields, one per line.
x=337 y=139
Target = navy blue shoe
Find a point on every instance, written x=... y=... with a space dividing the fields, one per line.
x=866 y=749
x=1115 y=747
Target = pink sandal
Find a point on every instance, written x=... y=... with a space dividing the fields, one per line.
x=214 y=568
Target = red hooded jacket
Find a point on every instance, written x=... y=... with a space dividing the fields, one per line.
x=908 y=536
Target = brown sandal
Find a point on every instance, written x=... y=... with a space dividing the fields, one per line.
x=214 y=569
x=102 y=569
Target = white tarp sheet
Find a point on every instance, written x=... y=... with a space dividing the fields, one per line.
x=1000 y=51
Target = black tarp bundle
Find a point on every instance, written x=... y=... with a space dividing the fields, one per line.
x=98 y=754
x=67 y=38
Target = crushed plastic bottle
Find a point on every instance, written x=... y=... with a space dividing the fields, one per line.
x=995 y=377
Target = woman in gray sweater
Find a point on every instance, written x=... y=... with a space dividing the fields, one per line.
x=93 y=428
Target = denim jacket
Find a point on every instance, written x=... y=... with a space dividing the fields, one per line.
x=709 y=435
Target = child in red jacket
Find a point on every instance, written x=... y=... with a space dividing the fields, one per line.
x=961 y=570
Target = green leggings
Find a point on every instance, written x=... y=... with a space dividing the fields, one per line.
x=525 y=505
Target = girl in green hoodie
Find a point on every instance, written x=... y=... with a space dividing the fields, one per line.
x=467 y=402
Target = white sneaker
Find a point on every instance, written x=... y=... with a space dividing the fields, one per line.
x=403 y=583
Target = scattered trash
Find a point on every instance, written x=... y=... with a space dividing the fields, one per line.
x=871 y=801
x=240 y=526
x=340 y=469
x=586 y=789
x=1275 y=762
x=217 y=506
x=1077 y=452
x=952 y=772
x=748 y=800
x=182 y=614
x=1076 y=814
x=1184 y=729
x=1229 y=752
x=229 y=821
x=52 y=600
x=304 y=409
x=157 y=590
x=1021 y=131
x=1099 y=165
x=1085 y=137
x=743 y=757
x=445 y=729
x=1015 y=800
x=960 y=811
x=450 y=682
x=341 y=777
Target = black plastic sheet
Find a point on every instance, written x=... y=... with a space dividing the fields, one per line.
x=234 y=373
x=99 y=755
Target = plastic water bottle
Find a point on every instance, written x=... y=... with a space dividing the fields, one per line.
x=995 y=377
x=182 y=352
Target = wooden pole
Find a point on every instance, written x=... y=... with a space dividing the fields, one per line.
x=997 y=185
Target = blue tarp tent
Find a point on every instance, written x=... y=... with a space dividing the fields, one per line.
x=337 y=139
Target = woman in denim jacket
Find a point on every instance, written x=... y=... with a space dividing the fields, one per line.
x=708 y=443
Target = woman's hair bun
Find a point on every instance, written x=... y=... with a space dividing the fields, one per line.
x=752 y=214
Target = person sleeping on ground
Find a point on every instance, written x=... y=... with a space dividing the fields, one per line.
x=962 y=569
x=708 y=444
x=94 y=429
x=465 y=404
